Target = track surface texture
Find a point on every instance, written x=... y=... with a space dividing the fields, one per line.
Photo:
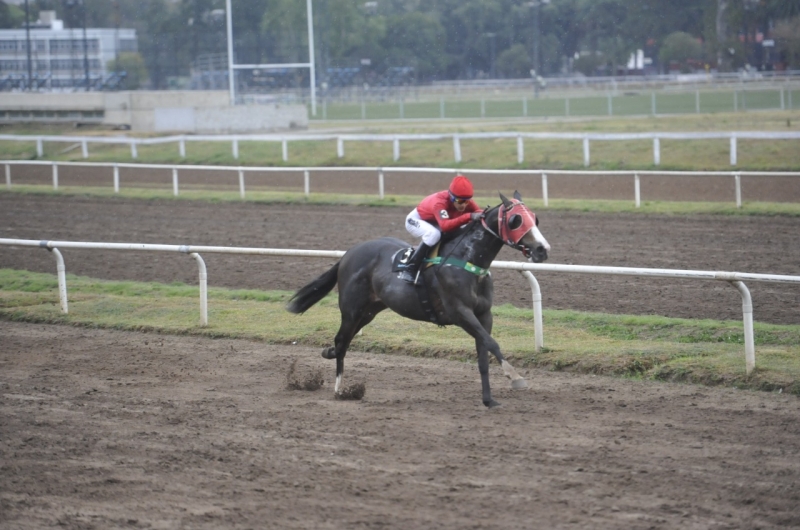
x=107 y=429
x=756 y=244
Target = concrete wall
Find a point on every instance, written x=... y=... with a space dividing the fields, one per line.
x=191 y=111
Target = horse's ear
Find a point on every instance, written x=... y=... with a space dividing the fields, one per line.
x=517 y=195
x=505 y=200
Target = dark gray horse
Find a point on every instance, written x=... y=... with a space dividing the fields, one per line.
x=459 y=286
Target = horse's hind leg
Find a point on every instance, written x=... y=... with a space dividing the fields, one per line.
x=517 y=381
x=352 y=321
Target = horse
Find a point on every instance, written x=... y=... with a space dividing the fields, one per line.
x=459 y=286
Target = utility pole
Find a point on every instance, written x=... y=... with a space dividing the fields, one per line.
x=85 y=47
x=28 y=45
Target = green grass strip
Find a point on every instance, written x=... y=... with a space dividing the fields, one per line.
x=650 y=347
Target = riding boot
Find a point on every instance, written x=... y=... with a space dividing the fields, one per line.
x=414 y=262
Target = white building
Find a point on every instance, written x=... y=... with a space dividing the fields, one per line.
x=58 y=56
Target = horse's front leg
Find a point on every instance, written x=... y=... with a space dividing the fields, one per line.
x=517 y=381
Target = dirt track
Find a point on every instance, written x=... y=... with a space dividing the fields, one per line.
x=102 y=429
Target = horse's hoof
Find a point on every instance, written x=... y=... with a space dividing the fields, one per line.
x=329 y=353
x=519 y=384
x=492 y=404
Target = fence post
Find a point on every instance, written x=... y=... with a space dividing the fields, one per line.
x=783 y=103
x=544 y=189
x=396 y=149
x=241 y=183
x=55 y=175
x=637 y=191
x=116 y=178
x=182 y=147
x=306 y=183
x=175 y=181
x=733 y=150
x=62 y=279
x=737 y=178
x=39 y=147
x=380 y=183
x=285 y=150
x=538 y=328
x=656 y=151
x=85 y=149
x=520 y=150
x=457 y=148
x=134 y=151
x=235 y=148
x=747 y=317
x=203 y=281
x=8 y=176
x=586 y=151
x=340 y=147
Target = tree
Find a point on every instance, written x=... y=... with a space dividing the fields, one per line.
x=787 y=37
x=681 y=48
x=11 y=16
x=514 y=62
x=133 y=65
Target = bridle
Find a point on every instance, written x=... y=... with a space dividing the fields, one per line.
x=514 y=220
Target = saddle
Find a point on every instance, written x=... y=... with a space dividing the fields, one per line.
x=399 y=263
x=400 y=258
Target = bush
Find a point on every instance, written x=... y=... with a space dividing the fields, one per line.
x=681 y=49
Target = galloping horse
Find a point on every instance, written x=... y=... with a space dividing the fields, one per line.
x=459 y=286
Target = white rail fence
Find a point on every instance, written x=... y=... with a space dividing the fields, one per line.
x=381 y=172
x=736 y=279
x=520 y=137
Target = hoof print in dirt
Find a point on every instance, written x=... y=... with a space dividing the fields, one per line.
x=312 y=380
x=354 y=391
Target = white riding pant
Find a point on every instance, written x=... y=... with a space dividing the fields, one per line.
x=423 y=229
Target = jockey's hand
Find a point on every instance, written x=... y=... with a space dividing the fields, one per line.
x=475 y=216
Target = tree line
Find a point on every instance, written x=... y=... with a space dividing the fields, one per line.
x=413 y=41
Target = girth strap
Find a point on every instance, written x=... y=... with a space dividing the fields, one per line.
x=460 y=263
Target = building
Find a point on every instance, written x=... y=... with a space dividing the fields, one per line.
x=59 y=57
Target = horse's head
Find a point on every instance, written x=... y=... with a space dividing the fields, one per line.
x=518 y=227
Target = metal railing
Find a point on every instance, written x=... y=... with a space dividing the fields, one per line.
x=586 y=138
x=736 y=279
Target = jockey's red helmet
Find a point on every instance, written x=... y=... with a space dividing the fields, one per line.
x=461 y=187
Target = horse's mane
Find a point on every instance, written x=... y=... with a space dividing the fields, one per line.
x=458 y=232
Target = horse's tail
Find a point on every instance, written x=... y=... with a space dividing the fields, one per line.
x=314 y=291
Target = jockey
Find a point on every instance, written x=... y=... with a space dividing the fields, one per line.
x=443 y=211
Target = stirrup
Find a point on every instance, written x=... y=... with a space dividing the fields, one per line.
x=406 y=276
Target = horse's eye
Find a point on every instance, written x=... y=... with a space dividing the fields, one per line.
x=515 y=222
x=537 y=221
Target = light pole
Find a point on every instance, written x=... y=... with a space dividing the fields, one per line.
x=28 y=45
x=535 y=6
x=491 y=52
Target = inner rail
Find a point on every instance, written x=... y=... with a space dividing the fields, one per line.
x=736 y=279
